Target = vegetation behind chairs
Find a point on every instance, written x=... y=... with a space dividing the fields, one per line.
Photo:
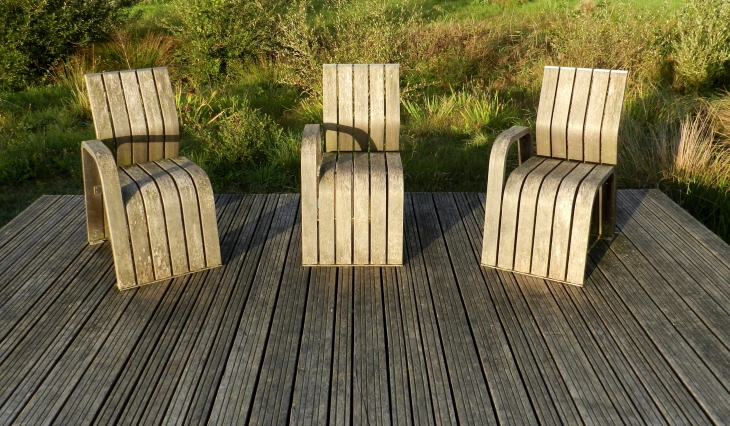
x=247 y=76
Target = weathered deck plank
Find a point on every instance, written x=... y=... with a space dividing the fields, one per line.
x=440 y=340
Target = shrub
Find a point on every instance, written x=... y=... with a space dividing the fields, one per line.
x=702 y=47
x=36 y=34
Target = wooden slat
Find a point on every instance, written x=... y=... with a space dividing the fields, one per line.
x=155 y=221
x=120 y=120
x=510 y=207
x=345 y=112
x=173 y=217
x=544 y=218
x=594 y=116
x=395 y=208
x=612 y=116
x=561 y=110
x=135 y=110
x=392 y=107
x=526 y=214
x=545 y=110
x=578 y=106
x=378 y=209
x=206 y=208
x=138 y=229
x=361 y=97
x=361 y=209
x=329 y=106
x=343 y=209
x=100 y=110
x=341 y=396
x=377 y=107
x=169 y=111
x=327 y=209
x=190 y=213
x=310 y=163
x=153 y=114
x=562 y=220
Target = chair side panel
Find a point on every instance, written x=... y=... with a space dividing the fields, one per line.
x=545 y=110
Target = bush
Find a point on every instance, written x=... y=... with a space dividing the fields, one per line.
x=36 y=34
x=702 y=47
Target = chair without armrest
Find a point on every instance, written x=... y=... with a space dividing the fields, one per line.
x=352 y=193
x=155 y=207
x=539 y=220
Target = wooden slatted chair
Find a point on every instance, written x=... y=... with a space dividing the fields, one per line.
x=540 y=221
x=352 y=195
x=155 y=207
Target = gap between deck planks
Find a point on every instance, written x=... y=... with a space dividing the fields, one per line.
x=440 y=340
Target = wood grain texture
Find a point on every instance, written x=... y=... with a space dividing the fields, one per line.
x=612 y=117
x=329 y=106
x=345 y=112
x=169 y=111
x=343 y=208
x=361 y=209
x=327 y=209
x=594 y=116
x=395 y=208
x=311 y=161
x=543 y=124
x=378 y=210
x=153 y=114
x=392 y=107
x=377 y=107
x=100 y=110
x=561 y=111
x=361 y=95
x=120 y=120
x=136 y=113
x=578 y=107
x=138 y=229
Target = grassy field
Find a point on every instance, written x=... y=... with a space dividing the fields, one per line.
x=247 y=76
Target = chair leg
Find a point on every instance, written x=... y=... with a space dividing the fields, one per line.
x=94 y=200
x=608 y=208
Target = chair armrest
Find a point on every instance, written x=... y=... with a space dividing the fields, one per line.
x=311 y=150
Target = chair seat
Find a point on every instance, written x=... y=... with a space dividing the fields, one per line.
x=546 y=213
x=171 y=218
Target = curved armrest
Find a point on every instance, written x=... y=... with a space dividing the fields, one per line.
x=495 y=185
x=104 y=204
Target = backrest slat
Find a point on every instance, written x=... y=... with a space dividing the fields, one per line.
x=594 y=116
x=576 y=119
x=135 y=112
x=329 y=106
x=561 y=109
x=169 y=111
x=377 y=107
x=392 y=107
x=100 y=110
x=360 y=84
x=155 y=124
x=120 y=120
x=612 y=117
x=345 y=120
x=545 y=110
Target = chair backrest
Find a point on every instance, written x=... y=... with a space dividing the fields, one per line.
x=361 y=107
x=134 y=114
x=579 y=114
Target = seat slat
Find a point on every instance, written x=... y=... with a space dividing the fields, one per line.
x=561 y=110
x=377 y=107
x=612 y=117
x=510 y=206
x=392 y=107
x=576 y=119
x=173 y=217
x=526 y=218
x=100 y=110
x=137 y=221
x=190 y=213
x=544 y=218
x=120 y=120
x=155 y=221
x=361 y=94
x=169 y=111
x=329 y=106
x=135 y=111
x=395 y=208
x=343 y=208
x=594 y=116
x=378 y=209
x=562 y=220
x=327 y=209
x=153 y=114
x=345 y=117
x=361 y=209
x=545 y=110
x=206 y=206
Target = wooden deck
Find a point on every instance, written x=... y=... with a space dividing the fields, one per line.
x=437 y=341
